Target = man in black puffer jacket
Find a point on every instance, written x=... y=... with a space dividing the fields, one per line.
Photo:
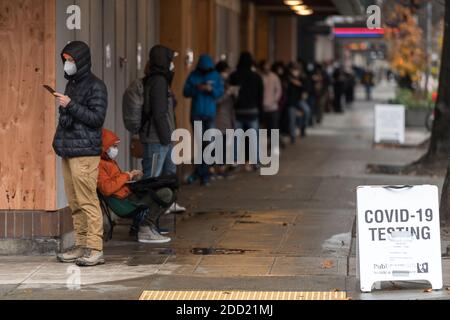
x=78 y=141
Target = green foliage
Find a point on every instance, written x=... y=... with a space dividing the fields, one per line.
x=413 y=100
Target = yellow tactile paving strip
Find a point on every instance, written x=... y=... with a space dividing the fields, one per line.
x=240 y=295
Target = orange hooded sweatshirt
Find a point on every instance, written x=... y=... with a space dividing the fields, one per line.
x=111 y=180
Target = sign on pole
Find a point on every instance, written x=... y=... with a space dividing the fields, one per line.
x=399 y=235
x=389 y=123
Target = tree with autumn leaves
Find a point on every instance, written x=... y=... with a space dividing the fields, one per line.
x=404 y=37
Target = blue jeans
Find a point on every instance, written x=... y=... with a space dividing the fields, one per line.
x=296 y=121
x=248 y=125
x=158 y=161
x=202 y=170
x=304 y=106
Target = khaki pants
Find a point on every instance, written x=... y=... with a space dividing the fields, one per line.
x=80 y=182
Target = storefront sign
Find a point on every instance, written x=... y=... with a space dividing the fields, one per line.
x=390 y=123
x=399 y=235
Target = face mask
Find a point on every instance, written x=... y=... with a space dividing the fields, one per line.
x=296 y=73
x=70 y=68
x=172 y=67
x=113 y=152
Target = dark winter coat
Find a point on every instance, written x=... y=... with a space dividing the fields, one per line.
x=251 y=93
x=79 y=132
x=159 y=103
x=294 y=93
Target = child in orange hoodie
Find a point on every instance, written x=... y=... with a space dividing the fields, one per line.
x=112 y=182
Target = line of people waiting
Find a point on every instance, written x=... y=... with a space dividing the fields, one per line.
x=288 y=97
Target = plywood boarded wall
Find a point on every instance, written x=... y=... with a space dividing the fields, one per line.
x=27 y=112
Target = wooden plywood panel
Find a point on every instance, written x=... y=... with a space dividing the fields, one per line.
x=262 y=35
x=285 y=35
x=50 y=117
x=204 y=27
x=222 y=30
x=176 y=33
x=248 y=27
x=27 y=114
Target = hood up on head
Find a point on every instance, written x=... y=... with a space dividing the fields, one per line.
x=109 y=139
x=205 y=63
x=81 y=53
x=160 y=60
x=245 y=61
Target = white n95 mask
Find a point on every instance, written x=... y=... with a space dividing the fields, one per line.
x=70 y=68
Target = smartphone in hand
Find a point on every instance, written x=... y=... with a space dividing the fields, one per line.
x=49 y=89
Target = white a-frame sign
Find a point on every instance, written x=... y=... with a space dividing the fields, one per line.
x=399 y=235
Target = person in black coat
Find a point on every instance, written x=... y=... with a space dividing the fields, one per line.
x=78 y=141
x=249 y=104
x=159 y=114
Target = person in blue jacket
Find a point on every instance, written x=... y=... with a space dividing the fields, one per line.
x=205 y=86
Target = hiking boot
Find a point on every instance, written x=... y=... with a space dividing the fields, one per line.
x=91 y=258
x=71 y=256
x=151 y=236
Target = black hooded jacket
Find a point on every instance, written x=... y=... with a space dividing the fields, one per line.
x=79 y=132
x=158 y=117
x=251 y=94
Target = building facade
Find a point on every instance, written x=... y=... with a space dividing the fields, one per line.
x=34 y=217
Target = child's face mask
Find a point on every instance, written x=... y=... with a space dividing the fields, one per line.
x=113 y=152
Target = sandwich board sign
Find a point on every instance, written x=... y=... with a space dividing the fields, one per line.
x=389 y=123
x=398 y=235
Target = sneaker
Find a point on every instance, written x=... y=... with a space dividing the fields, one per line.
x=176 y=208
x=163 y=231
x=91 y=258
x=151 y=236
x=71 y=256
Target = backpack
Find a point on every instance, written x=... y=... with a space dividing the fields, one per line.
x=133 y=105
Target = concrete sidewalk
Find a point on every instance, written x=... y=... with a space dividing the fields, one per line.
x=290 y=232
